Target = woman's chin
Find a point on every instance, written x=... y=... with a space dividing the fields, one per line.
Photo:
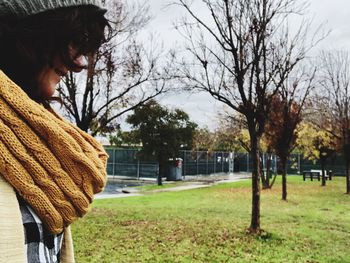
x=48 y=92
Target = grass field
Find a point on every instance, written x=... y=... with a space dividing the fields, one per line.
x=208 y=225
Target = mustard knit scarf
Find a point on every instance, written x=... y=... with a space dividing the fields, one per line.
x=53 y=165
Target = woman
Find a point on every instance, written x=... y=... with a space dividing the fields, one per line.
x=49 y=169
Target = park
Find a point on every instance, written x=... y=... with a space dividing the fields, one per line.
x=189 y=131
x=284 y=102
x=209 y=225
x=284 y=99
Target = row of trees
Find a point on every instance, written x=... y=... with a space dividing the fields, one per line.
x=244 y=54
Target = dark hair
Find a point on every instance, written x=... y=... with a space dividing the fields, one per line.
x=29 y=44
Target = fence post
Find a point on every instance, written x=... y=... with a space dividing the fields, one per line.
x=275 y=164
x=215 y=159
x=113 y=163
x=233 y=162
x=222 y=162
x=138 y=169
x=207 y=162
x=299 y=168
x=184 y=165
x=197 y=161
x=248 y=162
x=263 y=161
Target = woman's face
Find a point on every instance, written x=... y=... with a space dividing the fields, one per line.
x=49 y=77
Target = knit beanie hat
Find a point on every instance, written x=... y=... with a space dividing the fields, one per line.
x=23 y=8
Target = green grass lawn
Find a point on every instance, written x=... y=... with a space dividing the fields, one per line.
x=208 y=225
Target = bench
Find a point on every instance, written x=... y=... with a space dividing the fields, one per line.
x=328 y=174
x=311 y=175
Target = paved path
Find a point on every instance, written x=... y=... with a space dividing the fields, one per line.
x=131 y=191
x=116 y=195
x=193 y=183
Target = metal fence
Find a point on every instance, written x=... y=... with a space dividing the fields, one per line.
x=204 y=162
x=296 y=164
x=125 y=162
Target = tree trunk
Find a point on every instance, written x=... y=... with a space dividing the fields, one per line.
x=323 y=164
x=348 y=178
x=273 y=180
x=268 y=167
x=161 y=172
x=159 y=179
x=346 y=152
x=284 y=178
x=84 y=125
x=255 y=219
x=262 y=174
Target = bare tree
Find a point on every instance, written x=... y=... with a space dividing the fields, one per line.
x=123 y=75
x=241 y=52
x=333 y=102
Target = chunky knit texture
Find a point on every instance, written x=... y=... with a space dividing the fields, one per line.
x=52 y=164
x=23 y=8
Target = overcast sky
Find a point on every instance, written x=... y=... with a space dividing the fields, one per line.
x=201 y=107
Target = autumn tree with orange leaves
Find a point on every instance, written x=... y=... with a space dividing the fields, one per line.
x=281 y=132
x=285 y=116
